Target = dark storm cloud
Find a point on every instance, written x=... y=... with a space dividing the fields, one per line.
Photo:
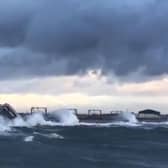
x=71 y=36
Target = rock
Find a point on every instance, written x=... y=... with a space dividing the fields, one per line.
x=6 y=110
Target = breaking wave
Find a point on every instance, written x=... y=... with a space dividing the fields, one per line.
x=31 y=121
x=4 y=125
x=65 y=117
x=59 y=118
x=127 y=119
x=129 y=116
x=68 y=118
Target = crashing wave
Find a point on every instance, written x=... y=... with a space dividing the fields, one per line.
x=129 y=116
x=65 y=117
x=61 y=117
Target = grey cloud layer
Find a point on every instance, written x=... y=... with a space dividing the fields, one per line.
x=71 y=36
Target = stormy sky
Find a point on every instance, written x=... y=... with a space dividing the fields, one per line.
x=112 y=43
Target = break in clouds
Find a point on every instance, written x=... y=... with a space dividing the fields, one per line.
x=67 y=37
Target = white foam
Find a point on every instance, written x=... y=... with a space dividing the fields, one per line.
x=38 y=119
x=29 y=138
x=4 y=126
x=50 y=135
x=111 y=124
x=54 y=135
x=31 y=121
x=129 y=116
x=128 y=119
x=66 y=117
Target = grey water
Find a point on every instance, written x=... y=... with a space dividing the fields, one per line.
x=113 y=145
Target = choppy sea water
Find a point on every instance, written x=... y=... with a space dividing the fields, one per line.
x=37 y=143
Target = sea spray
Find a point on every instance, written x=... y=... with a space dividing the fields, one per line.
x=66 y=117
x=4 y=126
x=62 y=117
x=30 y=121
x=38 y=119
x=129 y=116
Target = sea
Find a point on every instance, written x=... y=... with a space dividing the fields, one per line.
x=37 y=143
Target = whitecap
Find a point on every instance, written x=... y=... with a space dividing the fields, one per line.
x=29 y=138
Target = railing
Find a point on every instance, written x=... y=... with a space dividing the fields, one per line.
x=94 y=111
x=90 y=111
x=116 y=111
x=33 y=109
x=73 y=109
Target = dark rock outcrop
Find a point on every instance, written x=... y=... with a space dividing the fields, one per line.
x=7 y=111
